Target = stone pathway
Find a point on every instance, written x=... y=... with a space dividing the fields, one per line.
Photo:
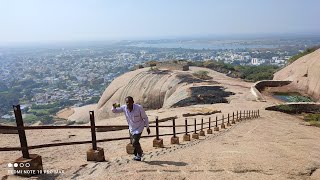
x=118 y=163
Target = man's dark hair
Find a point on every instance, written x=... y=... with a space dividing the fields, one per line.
x=129 y=97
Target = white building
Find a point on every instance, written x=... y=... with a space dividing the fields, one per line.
x=255 y=61
x=280 y=61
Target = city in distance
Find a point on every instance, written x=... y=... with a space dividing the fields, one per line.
x=214 y=89
x=51 y=61
x=48 y=78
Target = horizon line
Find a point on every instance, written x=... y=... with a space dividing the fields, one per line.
x=230 y=36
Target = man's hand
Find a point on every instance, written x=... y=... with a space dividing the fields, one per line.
x=148 y=130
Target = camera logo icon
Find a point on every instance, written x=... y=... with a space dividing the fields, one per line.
x=10 y=165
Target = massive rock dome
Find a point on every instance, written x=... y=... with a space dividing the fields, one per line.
x=151 y=88
x=304 y=74
x=155 y=89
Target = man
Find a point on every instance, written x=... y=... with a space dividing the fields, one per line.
x=137 y=119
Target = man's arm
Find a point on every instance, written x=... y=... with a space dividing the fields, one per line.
x=117 y=110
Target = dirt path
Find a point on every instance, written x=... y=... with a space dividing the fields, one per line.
x=264 y=148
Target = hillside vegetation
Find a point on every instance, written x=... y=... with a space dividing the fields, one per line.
x=313 y=119
x=248 y=73
x=307 y=51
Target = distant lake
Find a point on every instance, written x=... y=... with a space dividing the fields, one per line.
x=216 y=45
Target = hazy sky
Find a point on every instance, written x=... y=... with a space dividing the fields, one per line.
x=73 y=20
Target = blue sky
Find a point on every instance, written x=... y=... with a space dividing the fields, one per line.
x=74 y=20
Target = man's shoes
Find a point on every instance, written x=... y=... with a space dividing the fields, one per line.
x=137 y=158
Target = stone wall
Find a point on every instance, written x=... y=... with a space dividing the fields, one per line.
x=260 y=85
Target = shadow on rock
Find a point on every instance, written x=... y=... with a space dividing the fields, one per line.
x=161 y=163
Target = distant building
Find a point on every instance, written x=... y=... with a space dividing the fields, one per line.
x=255 y=61
x=287 y=57
x=280 y=61
x=7 y=116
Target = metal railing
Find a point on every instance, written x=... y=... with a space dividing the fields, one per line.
x=24 y=148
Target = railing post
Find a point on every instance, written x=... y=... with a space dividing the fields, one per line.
x=157 y=128
x=95 y=153
x=34 y=160
x=93 y=131
x=21 y=131
x=216 y=128
x=237 y=117
x=174 y=127
x=186 y=124
x=249 y=115
x=245 y=114
x=252 y=114
x=201 y=124
x=174 y=139
x=233 y=122
x=209 y=131
x=258 y=113
x=201 y=131
x=240 y=115
x=228 y=123
x=157 y=142
x=186 y=137
x=222 y=125
x=195 y=135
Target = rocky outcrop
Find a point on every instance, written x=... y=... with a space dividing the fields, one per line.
x=155 y=89
x=304 y=74
x=150 y=88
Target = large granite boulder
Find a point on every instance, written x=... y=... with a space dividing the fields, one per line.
x=305 y=74
x=150 y=88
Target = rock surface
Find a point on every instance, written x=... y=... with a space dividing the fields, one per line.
x=305 y=74
x=155 y=89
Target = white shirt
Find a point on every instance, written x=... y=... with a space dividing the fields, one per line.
x=136 y=119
